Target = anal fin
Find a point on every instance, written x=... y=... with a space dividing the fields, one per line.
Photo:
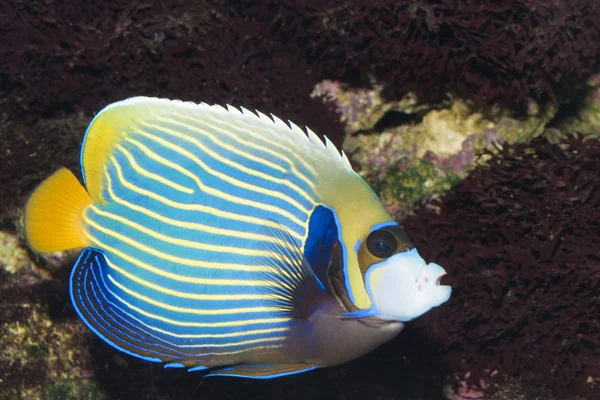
x=98 y=304
x=263 y=371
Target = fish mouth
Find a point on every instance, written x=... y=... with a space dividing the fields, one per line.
x=438 y=281
x=430 y=278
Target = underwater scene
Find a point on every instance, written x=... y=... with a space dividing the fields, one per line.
x=286 y=199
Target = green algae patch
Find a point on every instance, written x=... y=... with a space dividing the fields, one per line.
x=72 y=389
x=403 y=189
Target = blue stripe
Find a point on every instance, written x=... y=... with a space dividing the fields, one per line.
x=215 y=182
x=195 y=216
x=211 y=143
x=178 y=250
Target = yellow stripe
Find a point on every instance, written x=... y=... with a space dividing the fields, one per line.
x=247 y=349
x=225 y=335
x=197 y=311
x=194 y=127
x=243 y=342
x=178 y=260
x=233 y=181
x=253 y=145
x=180 y=278
x=194 y=296
x=203 y=324
x=192 y=207
x=271 y=143
x=137 y=168
x=194 y=226
x=215 y=335
x=224 y=160
x=188 y=243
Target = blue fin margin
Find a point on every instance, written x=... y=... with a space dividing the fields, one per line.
x=263 y=371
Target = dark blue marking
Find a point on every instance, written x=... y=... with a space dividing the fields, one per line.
x=322 y=235
x=106 y=312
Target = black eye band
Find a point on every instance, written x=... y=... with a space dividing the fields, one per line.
x=382 y=243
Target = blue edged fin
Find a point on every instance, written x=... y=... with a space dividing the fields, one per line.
x=264 y=371
x=96 y=302
x=295 y=284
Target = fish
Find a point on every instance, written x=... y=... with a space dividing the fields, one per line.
x=220 y=239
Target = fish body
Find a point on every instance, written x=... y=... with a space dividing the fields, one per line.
x=225 y=239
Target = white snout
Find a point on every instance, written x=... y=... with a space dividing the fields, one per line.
x=404 y=287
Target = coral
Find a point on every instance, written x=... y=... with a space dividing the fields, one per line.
x=519 y=240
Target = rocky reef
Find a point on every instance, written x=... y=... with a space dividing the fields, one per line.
x=477 y=122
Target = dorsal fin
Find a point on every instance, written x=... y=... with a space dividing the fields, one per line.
x=118 y=120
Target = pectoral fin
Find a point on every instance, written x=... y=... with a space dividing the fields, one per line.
x=295 y=287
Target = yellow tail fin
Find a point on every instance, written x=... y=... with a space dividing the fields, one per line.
x=54 y=214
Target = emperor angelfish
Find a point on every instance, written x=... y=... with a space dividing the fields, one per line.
x=225 y=239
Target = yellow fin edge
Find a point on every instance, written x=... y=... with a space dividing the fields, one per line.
x=54 y=214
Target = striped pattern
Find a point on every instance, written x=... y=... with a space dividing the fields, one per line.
x=190 y=199
x=116 y=321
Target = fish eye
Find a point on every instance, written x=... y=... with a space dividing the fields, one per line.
x=382 y=243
